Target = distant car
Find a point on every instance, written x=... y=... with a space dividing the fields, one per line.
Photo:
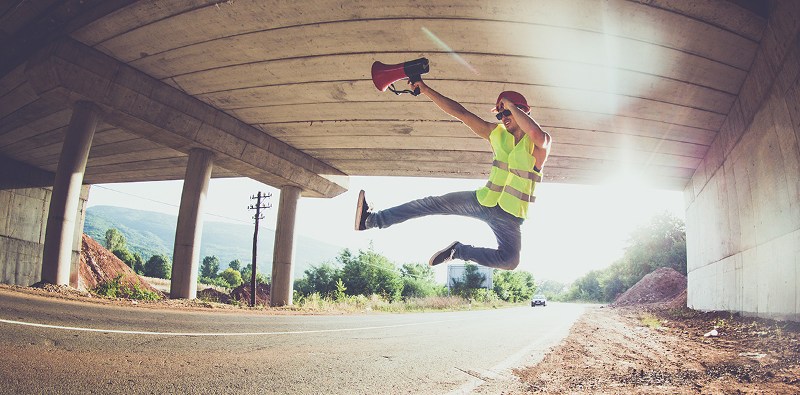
x=538 y=300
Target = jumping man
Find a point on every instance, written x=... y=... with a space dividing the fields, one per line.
x=520 y=148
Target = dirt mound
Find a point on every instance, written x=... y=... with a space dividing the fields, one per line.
x=212 y=295
x=98 y=265
x=242 y=294
x=662 y=285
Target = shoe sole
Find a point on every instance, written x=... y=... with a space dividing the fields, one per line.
x=450 y=247
x=359 y=209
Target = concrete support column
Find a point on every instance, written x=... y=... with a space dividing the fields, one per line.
x=186 y=256
x=283 y=255
x=58 y=239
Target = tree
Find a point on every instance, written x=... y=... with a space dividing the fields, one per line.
x=586 y=288
x=138 y=263
x=247 y=272
x=235 y=265
x=553 y=290
x=418 y=281
x=471 y=281
x=320 y=279
x=232 y=277
x=261 y=278
x=115 y=240
x=370 y=273
x=125 y=256
x=661 y=242
x=158 y=266
x=513 y=286
x=209 y=267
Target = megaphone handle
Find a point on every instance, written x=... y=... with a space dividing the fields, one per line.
x=412 y=79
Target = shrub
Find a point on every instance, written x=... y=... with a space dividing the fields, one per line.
x=158 y=266
x=232 y=277
x=125 y=256
x=116 y=288
x=218 y=282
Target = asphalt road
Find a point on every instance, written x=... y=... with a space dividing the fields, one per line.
x=91 y=348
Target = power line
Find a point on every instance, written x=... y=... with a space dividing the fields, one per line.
x=173 y=205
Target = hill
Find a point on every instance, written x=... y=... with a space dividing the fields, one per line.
x=149 y=233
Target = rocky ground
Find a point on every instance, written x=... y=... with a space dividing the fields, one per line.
x=662 y=347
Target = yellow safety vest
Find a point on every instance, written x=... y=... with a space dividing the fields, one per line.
x=512 y=178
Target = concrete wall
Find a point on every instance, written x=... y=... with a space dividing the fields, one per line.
x=23 y=219
x=743 y=204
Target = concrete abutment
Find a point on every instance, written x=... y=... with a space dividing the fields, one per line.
x=743 y=204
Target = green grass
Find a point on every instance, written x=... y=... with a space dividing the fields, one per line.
x=116 y=288
x=650 y=321
x=360 y=303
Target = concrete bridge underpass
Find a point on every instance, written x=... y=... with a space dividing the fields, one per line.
x=699 y=97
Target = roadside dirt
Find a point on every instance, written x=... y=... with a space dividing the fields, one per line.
x=666 y=348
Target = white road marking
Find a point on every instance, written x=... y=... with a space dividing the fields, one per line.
x=502 y=370
x=119 y=331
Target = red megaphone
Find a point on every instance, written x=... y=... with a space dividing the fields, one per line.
x=384 y=75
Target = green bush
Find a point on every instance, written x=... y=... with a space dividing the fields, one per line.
x=247 y=273
x=158 y=266
x=232 y=277
x=513 y=286
x=116 y=288
x=218 y=282
x=125 y=256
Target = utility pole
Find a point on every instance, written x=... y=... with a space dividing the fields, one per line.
x=258 y=206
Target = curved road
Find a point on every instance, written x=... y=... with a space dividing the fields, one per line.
x=58 y=346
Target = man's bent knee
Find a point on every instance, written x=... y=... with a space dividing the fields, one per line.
x=511 y=263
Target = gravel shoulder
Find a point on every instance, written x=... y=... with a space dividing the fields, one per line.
x=663 y=349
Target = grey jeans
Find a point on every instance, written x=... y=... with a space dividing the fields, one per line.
x=504 y=225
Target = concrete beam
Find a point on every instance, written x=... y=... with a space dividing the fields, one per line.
x=15 y=174
x=54 y=21
x=283 y=253
x=186 y=256
x=68 y=71
x=56 y=259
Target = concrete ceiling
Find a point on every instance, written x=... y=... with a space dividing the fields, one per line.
x=282 y=90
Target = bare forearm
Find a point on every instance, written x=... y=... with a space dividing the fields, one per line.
x=456 y=110
x=529 y=126
x=448 y=105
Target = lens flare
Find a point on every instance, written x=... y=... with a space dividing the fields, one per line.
x=447 y=48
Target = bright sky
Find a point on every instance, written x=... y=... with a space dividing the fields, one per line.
x=571 y=229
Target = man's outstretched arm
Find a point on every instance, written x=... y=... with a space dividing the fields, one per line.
x=528 y=125
x=456 y=110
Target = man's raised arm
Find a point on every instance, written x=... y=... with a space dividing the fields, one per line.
x=456 y=110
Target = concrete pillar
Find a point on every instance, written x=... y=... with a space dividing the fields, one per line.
x=283 y=255
x=65 y=199
x=186 y=256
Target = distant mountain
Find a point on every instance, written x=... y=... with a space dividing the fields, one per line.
x=149 y=233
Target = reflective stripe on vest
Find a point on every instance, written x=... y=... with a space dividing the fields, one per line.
x=531 y=175
x=511 y=191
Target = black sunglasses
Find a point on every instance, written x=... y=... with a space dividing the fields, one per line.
x=500 y=114
x=507 y=113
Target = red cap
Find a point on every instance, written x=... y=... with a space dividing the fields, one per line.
x=515 y=98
